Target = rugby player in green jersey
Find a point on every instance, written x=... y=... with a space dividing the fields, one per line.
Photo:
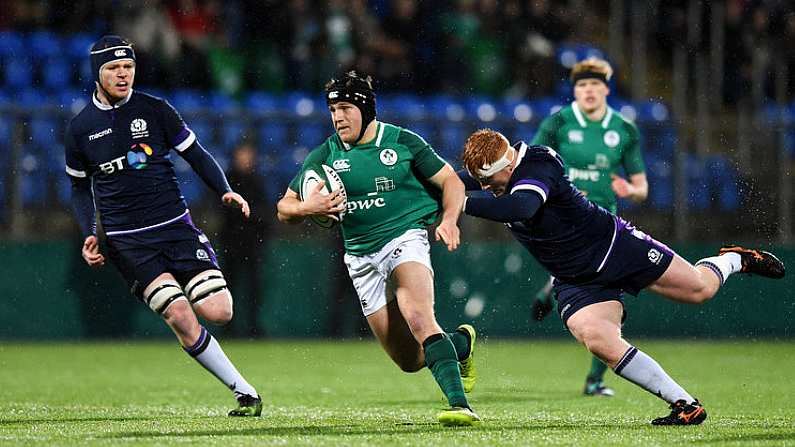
x=396 y=186
x=595 y=141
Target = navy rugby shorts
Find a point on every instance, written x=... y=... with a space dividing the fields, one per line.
x=179 y=248
x=635 y=260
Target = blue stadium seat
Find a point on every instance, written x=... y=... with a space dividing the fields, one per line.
x=521 y=132
x=78 y=46
x=546 y=106
x=33 y=181
x=18 y=73
x=6 y=132
x=44 y=45
x=652 y=111
x=453 y=137
x=312 y=133
x=11 y=44
x=186 y=101
x=661 y=185
x=263 y=102
x=232 y=132
x=446 y=107
x=86 y=76
x=409 y=106
x=56 y=73
x=303 y=104
x=221 y=102
x=660 y=139
x=698 y=183
x=44 y=132
x=567 y=55
x=73 y=100
x=481 y=108
x=518 y=110
x=564 y=90
x=726 y=182
x=273 y=136
x=425 y=130
x=33 y=98
x=203 y=130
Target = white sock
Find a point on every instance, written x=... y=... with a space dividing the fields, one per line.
x=723 y=265
x=209 y=354
x=642 y=370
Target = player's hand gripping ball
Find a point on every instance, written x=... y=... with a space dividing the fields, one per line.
x=311 y=177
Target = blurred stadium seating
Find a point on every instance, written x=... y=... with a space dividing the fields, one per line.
x=284 y=126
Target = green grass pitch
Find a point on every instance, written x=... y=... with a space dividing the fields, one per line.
x=349 y=393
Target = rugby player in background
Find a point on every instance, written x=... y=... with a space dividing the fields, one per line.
x=596 y=142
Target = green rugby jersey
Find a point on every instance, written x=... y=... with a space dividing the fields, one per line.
x=593 y=150
x=386 y=182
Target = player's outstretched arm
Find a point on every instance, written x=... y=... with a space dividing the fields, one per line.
x=208 y=169
x=452 y=202
x=507 y=208
x=291 y=209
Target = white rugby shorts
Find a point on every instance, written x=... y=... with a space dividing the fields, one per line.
x=370 y=273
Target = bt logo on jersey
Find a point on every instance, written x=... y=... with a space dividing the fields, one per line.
x=109 y=167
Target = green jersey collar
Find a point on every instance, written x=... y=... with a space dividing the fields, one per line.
x=581 y=118
x=379 y=134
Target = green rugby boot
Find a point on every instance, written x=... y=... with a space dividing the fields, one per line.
x=248 y=406
x=468 y=373
x=458 y=417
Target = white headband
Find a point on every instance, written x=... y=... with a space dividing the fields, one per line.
x=490 y=169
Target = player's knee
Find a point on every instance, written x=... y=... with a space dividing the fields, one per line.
x=180 y=318
x=703 y=293
x=209 y=295
x=596 y=339
x=420 y=324
x=216 y=309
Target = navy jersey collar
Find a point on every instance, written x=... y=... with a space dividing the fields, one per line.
x=102 y=106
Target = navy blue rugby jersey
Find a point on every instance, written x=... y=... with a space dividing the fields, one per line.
x=569 y=235
x=125 y=150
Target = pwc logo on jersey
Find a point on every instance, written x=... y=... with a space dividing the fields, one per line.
x=138 y=155
x=366 y=204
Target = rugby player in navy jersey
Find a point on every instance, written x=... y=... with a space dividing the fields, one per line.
x=118 y=157
x=595 y=257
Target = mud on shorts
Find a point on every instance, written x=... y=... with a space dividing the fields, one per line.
x=370 y=272
x=635 y=260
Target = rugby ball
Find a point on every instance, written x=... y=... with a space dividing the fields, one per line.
x=314 y=174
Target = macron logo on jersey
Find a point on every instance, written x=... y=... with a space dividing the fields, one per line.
x=100 y=134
